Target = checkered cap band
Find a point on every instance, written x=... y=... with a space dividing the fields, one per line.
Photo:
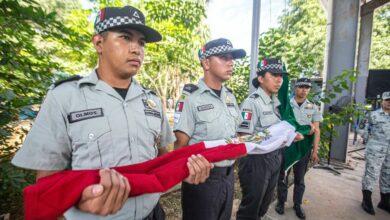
x=386 y=95
x=277 y=66
x=114 y=22
x=215 y=50
x=303 y=84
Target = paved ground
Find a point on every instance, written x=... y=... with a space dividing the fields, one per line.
x=330 y=196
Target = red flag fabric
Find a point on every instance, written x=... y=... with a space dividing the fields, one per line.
x=51 y=196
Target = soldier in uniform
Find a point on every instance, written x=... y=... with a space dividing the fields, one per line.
x=103 y=120
x=258 y=174
x=306 y=113
x=209 y=111
x=376 y=127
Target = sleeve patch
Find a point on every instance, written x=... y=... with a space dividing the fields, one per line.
x=176 y=117
x=245 y=124
x=246 y=115
x=179 y=107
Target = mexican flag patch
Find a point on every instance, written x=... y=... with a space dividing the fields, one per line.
x=246 y=115
x=179 y=106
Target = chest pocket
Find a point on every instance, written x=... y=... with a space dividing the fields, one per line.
x=234 y=116
x=153 y=118
x=379 y=124
x=91 y=143
x=268 y=117
x=232 y=110
x=153 y=121
x=208 y=115
x=308 y=115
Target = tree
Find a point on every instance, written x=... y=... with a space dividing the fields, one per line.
x=299 y=40
x=380 y=52
x=239 y=81
x=173 y=62
x=26 y=71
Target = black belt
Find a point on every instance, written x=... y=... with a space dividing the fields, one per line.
x=270 y=154
x=221 y=171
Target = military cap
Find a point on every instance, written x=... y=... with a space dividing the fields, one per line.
x=218 y=47
x=303 y=82
x=272 y=65
x=386 y=95
x=125 y=17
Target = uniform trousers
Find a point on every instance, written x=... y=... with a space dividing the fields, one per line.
x=258 y=176
x=211 y=200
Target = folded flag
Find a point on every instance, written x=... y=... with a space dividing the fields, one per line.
x=51 y=196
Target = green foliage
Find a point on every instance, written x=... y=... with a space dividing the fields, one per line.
x=380 y=44
x=300 y=39
x=346 y=115
x=27 y=68
x=239 y=81
x=173 y=62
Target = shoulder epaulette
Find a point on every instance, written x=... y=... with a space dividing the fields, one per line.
x=229 y=89
x=190 y=88
x=149 y=90
x=72 y=78
x=152 y=92
x=254 y=96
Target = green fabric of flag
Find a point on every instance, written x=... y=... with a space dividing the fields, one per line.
x=297 y=150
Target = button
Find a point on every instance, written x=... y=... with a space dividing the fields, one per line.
x=125 y=104
x=131 y=140
x=91 y=136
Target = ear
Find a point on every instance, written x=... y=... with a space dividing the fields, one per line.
x=206 y=64
x=97 y=41
x=261 y=79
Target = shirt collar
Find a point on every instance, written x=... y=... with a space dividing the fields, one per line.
x=385 y=113
x=92 y=78
x=266 y=98
x=203 y=88
x=135 y=88
x=294 y=102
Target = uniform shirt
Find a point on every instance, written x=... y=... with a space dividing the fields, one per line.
x=259 y=111
x=307 y=113
x=86 y=124
x=376 y=125
x=204 y=116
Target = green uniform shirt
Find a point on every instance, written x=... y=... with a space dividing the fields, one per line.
x=204 y=116
x=86 y=124
x=306 y=113
x=259 y=111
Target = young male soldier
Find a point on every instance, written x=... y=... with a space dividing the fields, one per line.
x=376 y=127
x=258 y=174
x=105 y=120
x=306 y=113
x=209 y=111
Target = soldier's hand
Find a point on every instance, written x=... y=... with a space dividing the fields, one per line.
x=199 y=169
x=108 y=196
x=314 y=157
x=312 y=129
x=298 y=137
